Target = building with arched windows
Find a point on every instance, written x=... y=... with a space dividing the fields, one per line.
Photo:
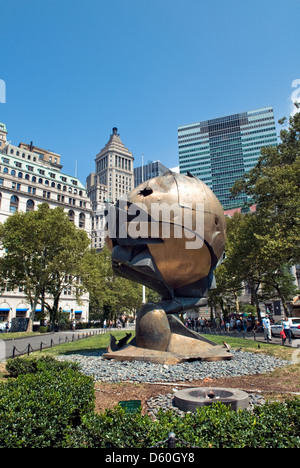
x=30 y=176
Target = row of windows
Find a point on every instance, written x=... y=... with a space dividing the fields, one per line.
x=30 y=206
x=46 y=194
x=42 y=181
x=41 y=156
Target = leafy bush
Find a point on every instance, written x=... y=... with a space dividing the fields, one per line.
x=51 y=404
x=20 y=366
x=37 y=410
x=271 y=426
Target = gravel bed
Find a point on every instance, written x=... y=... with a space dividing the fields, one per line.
x=103 y=370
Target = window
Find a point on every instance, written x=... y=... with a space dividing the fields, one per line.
x=14 y=204
x=82 y=220
x=32 y=190
x=30 y=205
x=71 y=215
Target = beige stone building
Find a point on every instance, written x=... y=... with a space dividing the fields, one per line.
x=30 y=176
x=113 y=177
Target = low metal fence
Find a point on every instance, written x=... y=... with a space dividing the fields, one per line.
x=39 y=346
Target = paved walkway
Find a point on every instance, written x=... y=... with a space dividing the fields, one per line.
x=20 y=346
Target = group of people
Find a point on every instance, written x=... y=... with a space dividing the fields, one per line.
x=119 y=323
x=236 y=322
x=286 y=329
x=241 y=324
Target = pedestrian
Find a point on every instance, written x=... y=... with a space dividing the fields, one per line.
x=267 y=328
x=286 y=327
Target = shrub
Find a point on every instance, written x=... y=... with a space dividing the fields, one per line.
x=51 y=404
x=21 y=366
x=37 y=410
x=271 y=426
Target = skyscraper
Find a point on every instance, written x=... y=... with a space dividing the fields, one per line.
x=222 y=150
x=148 y=171
x=113 y=177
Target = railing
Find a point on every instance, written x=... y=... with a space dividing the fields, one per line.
x=39 y=347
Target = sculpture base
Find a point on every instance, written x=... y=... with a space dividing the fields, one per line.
x=163 y=339
x=133 y=353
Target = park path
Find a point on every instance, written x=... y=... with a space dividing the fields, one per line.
x=21 y=346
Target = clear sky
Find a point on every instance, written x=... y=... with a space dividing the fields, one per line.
x=75 y=69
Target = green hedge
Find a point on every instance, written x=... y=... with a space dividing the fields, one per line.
x=272 y=426
x=38 y=410
x=20 y=366
x=52 y=405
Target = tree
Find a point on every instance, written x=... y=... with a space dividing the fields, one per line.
x=247 y=264
x=110 y=294
x=42 y=254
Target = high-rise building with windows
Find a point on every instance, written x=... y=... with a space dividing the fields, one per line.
x=148 y=171
x=112 y=179
x=222 y=150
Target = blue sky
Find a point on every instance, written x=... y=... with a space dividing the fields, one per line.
x=75 y=69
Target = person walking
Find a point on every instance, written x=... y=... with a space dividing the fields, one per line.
x=267 y=328
x=286 y=327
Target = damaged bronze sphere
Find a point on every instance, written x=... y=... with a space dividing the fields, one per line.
x=183 y=234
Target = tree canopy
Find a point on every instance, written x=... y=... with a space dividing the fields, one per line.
x=42 y=253
x=262 y=247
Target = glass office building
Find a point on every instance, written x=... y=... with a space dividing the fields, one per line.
x=148 y=171
x=221 y=150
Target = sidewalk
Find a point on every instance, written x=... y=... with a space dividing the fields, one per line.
x=21 y=346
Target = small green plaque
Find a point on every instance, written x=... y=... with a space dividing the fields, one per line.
x=131 y=406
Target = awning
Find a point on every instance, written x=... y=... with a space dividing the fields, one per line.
x=78 y=311
x=4 y=311
x=21 y=310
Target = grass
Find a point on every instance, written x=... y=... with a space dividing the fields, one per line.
x=94 y=343
x=13 y=336
x=101 y=342
x=278 y=351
